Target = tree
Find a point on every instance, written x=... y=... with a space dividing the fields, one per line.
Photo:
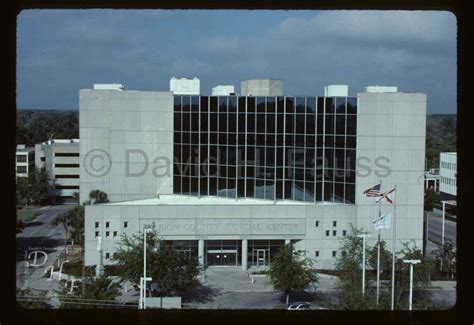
x=26 y=299
x=34 y=188
x=385 y=259
x=431 y=199
x=63 y=220
x=95 y=292
x=97 y=197
x=421 y=276
x=349 y=269
x=170 y=269
x=446 y=258
x=291 y=271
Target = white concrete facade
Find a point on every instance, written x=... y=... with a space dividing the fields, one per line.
x=223 y=90
x=261 y=87
x=390 y=148
x=336 y=91
x=448 y=173
x=381 y=89
x=185 y=86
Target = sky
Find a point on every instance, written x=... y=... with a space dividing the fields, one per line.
x=62 y=51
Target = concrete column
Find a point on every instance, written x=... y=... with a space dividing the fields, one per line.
x=244 y=254
x=201 y=252
x=287 y=241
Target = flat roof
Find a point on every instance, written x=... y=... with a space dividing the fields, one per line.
x=173 y=199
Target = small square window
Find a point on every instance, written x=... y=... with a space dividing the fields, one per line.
x=344 y=232
x=96 y=234
x=334 y=232
x=115 y=234
x=317 y=224
x=125 y=224
x=107 y=234
x=333 y=253
x=334 y=223
x=316 y=253
x=107 y=224
x=97 y=224
x=107 y=255
x=327 y=232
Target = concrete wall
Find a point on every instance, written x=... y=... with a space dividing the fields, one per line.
x=126 y=143
x=261 y=87
x=391 y=128
x=220 y=222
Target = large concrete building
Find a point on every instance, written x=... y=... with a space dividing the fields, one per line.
x=230 y=179
x=60 y=158
x=24 y=160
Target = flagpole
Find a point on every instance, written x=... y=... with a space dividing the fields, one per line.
x=378 y=251
x=394 y=233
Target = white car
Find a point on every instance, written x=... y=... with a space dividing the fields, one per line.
x=300 y=306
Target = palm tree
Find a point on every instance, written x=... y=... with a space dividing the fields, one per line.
x=97 y=196
x=64 y=220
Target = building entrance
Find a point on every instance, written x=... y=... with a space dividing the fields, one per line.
x=222 y=257
x=261 y=256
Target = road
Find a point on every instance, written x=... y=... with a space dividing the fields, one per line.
x=435 y=229
x=39 y=235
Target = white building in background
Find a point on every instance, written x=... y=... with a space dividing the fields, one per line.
x=24 y=160
x=448 y=175
x=60 y=157
x=336 y=91
x=381 y=89
x=261 y=87
x=239 y=210
x=223 y=90
x=113 y=86
x=185 y=86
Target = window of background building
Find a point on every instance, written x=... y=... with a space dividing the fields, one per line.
x=125 y=224
x=317 y=223
x=334 y=223
x=344 y=232
x=107 y=224
x=316 y=253
x=21 y=169
x=115 y=234
x=97 y=224
x=327 y=233
x=96 y=234
x=334 y=232
x=107 y=234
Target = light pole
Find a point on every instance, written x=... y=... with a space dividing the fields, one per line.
x=145 y=278
x=442 y=224
x=363 y=236
x=411 y=262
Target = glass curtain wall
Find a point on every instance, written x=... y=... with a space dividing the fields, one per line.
x=272 y=148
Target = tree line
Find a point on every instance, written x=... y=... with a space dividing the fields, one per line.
x=36 y=126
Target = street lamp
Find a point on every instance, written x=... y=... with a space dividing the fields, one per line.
x=144 y=279
x=411 y=262
x=363 y=236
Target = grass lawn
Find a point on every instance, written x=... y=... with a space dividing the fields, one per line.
x=27 y=215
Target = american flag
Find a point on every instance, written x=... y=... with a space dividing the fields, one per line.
x=374 y=191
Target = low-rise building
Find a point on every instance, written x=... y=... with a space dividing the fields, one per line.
x=24 y=160
x=60 y=157
x=448 y=173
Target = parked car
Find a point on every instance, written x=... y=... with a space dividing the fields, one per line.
x=300 y=306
